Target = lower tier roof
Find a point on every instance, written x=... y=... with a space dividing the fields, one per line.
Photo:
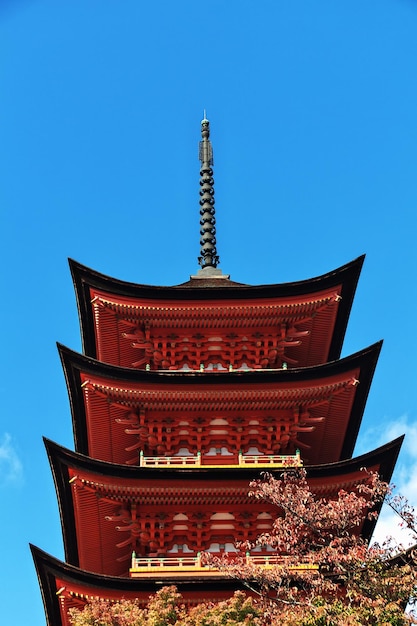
x=64 y=586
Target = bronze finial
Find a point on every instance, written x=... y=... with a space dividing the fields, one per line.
x=208 y=251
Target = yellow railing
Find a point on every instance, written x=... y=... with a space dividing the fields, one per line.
x=184 y=561
x=181 y=565
x=276 y=460
x=162 y=461
x=280 y=460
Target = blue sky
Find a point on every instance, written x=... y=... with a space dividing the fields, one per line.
x=314 y=128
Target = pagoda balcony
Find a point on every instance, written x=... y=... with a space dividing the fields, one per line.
x=184 y=566
x=247 y=460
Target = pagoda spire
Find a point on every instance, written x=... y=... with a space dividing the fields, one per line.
x=208 y=250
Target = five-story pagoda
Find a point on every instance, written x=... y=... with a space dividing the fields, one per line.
x=184 y=394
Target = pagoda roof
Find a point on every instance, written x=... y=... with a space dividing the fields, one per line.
x=65 y=586
x=109 y=308
x=90 y=492
x=333 y=395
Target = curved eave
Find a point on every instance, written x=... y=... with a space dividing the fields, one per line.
x=382 y=459
x=53 y=573
x=74 y=364
x=84 y=279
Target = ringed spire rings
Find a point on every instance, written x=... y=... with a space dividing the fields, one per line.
x=208 y=250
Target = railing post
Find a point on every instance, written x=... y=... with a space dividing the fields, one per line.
x=133 y=559
x=247 y=557
x=199 y=457
x=141 y=458
x=240 y=457
x=198 y=559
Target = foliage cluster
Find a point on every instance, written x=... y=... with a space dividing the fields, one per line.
x=166 y=608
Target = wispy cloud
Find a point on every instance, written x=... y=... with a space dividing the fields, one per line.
x=405 y=475
x=11 y=469
x=387 y=430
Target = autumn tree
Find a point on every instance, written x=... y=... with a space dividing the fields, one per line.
x=327 y=573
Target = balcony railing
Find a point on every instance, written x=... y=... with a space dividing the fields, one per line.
x=259 y=460
x=189 y=565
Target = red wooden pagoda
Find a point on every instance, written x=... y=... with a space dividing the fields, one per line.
x=182 y=396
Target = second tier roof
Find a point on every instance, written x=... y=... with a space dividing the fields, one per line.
x=119 y=411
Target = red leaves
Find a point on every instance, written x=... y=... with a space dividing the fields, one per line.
x=310 y=530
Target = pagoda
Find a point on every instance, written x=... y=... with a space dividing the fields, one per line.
x=181 y=397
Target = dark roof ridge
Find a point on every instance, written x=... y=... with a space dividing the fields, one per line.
x=71 y=358
x=120 y=287
x=61 y=454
